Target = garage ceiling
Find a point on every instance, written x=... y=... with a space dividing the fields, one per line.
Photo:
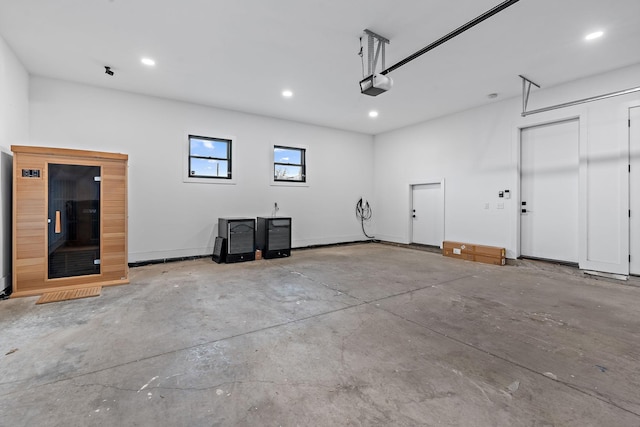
x=241 y=55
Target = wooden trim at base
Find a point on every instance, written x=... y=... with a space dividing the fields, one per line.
x=36 y=292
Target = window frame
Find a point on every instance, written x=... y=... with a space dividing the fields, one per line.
x=302 y=165
x=228 y=159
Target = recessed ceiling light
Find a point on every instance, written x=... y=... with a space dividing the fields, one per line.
x=594 y=35
x=373 y=114
x=287 y=93
x=148 y=61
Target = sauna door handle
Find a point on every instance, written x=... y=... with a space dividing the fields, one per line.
x=57 y=228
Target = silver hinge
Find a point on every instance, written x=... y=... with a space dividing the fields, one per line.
x=97 y=178
x=96 y=262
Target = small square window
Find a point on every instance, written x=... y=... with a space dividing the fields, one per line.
x=209 y=157
x=289 y=164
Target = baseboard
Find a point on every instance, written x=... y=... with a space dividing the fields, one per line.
x=607 y=275
x=331 y=240
x=392 y=239
x=166 y=260
x=159 y=256
x=209 y=255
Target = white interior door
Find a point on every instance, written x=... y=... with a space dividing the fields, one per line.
x=634 y=190
x=549 y=191
x=428 y=214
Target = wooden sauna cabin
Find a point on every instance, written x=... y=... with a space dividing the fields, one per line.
x=69 y=219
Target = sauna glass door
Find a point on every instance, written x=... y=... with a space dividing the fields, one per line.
x=74 y=220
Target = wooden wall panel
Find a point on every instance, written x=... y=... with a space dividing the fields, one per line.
x=114 y=216
x=29 y=224
x=30 y=227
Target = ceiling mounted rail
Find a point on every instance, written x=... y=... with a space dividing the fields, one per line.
x=526 y=87
x=488 y=14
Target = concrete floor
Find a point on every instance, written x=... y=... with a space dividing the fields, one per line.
x=366 y=334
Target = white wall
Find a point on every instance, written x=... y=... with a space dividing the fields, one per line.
x=170 y=218
x=470 y=150
x=14 y=129
x=477 y=153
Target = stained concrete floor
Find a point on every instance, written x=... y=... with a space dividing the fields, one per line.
x=366 y=334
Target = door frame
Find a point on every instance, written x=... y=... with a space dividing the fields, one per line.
x=629 y=107
x=620 y=139
x=582 y=179
x=442 y=199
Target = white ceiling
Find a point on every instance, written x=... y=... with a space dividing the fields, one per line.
x=241 y=54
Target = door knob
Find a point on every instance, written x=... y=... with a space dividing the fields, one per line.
x=413 y=216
